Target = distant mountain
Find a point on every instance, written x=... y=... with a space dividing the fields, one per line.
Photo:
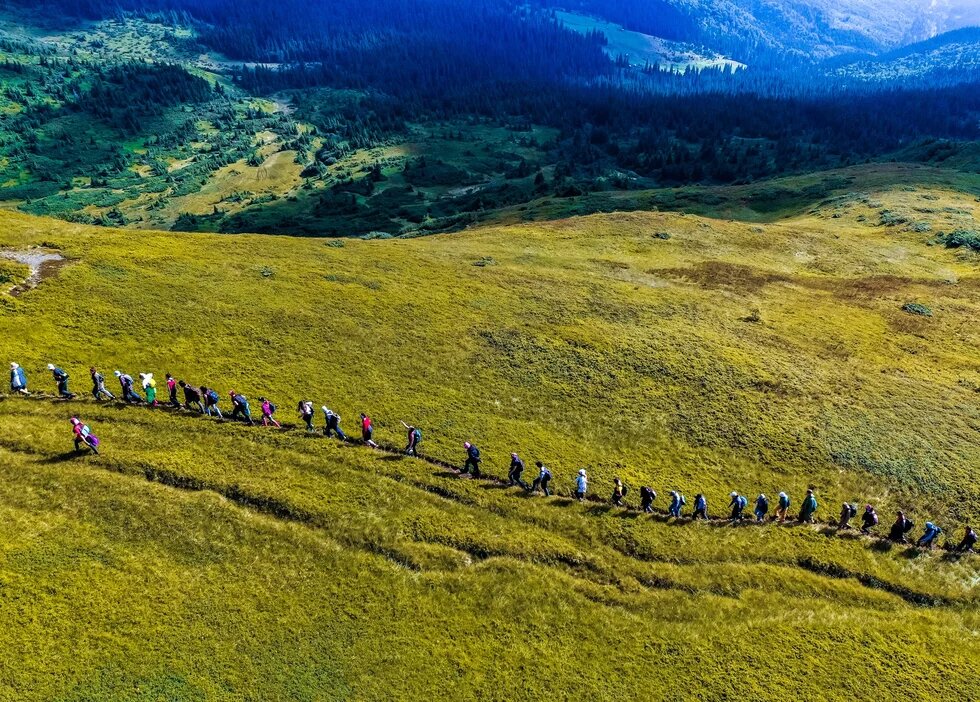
x=956 y=52
x=814 y=29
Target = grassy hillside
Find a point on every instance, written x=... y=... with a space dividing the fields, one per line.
x=205 y=560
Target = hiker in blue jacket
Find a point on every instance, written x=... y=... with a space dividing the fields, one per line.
x=211 y=398
x=677 y=503
x=928 y=539
x=543 y=479
x=761 y=507
x=700 y=507
x=737 y=504
x=61 y=378
x=18 y=379
x=240 y=408
x=581 y=485
x=472 y=464
x=126 y=384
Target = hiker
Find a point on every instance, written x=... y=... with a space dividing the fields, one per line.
x=808 y=508
x=847 y=513
x=700 y=507
x=928 y=538
x=968 y=542
x=783 y=507
x=126 y=383
x=544 y=477
x=240 y=408
x=647 y=496
x=332 y=424
x=211 y=398
x=268 y=413
x=619 y=492
x=900 y=528
x=98 y=385
x=305 y=410
x=367 y=431
x=737 y=504
x=869 y=519
x=192 y=396
x=581 y=485
x=172 y=390
x=472 y=464
x=414 y=437
x=84 y=436
x=18 y=379
x=61 y=377
x=761 y=507
x=677 y=503
x=516 y=471
x=149 y=387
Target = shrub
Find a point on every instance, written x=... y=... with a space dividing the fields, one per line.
x=963 y=238
x=916 y=308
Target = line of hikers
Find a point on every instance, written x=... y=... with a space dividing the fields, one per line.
x=206 y=400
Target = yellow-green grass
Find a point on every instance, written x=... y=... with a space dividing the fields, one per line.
x=295 y=568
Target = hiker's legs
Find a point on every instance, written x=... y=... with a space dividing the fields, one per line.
x=544 y=487
x=78 y=443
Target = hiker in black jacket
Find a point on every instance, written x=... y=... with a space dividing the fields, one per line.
x=968 y=542
x=647 y=496
x=544 y=477
x=192 y=396
x=869 y=519
x=900 y=528
x=516 y=471
x=472 y=464
x=331 y=424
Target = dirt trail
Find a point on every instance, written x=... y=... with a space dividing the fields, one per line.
x=43 y=263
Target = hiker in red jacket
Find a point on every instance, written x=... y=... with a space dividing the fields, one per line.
x=84 y=436
x=367 y=431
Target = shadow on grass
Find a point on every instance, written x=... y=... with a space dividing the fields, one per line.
x=66 y=456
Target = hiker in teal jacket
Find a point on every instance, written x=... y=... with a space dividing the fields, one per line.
x=808 y=507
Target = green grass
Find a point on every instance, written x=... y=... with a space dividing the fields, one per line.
x=197 y=560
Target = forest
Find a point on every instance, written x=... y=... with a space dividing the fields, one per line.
x=436 y=62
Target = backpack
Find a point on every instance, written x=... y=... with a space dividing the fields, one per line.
x=742 y=502
x=92 y=440
x=625 y=490
x=909 y=526
x=213 y=396
x=272 y=408
x=418 y=436
x=852 y=510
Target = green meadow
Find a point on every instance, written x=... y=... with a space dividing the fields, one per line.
x=196 y=559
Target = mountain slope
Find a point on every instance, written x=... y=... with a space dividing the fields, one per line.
x=205 y=560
